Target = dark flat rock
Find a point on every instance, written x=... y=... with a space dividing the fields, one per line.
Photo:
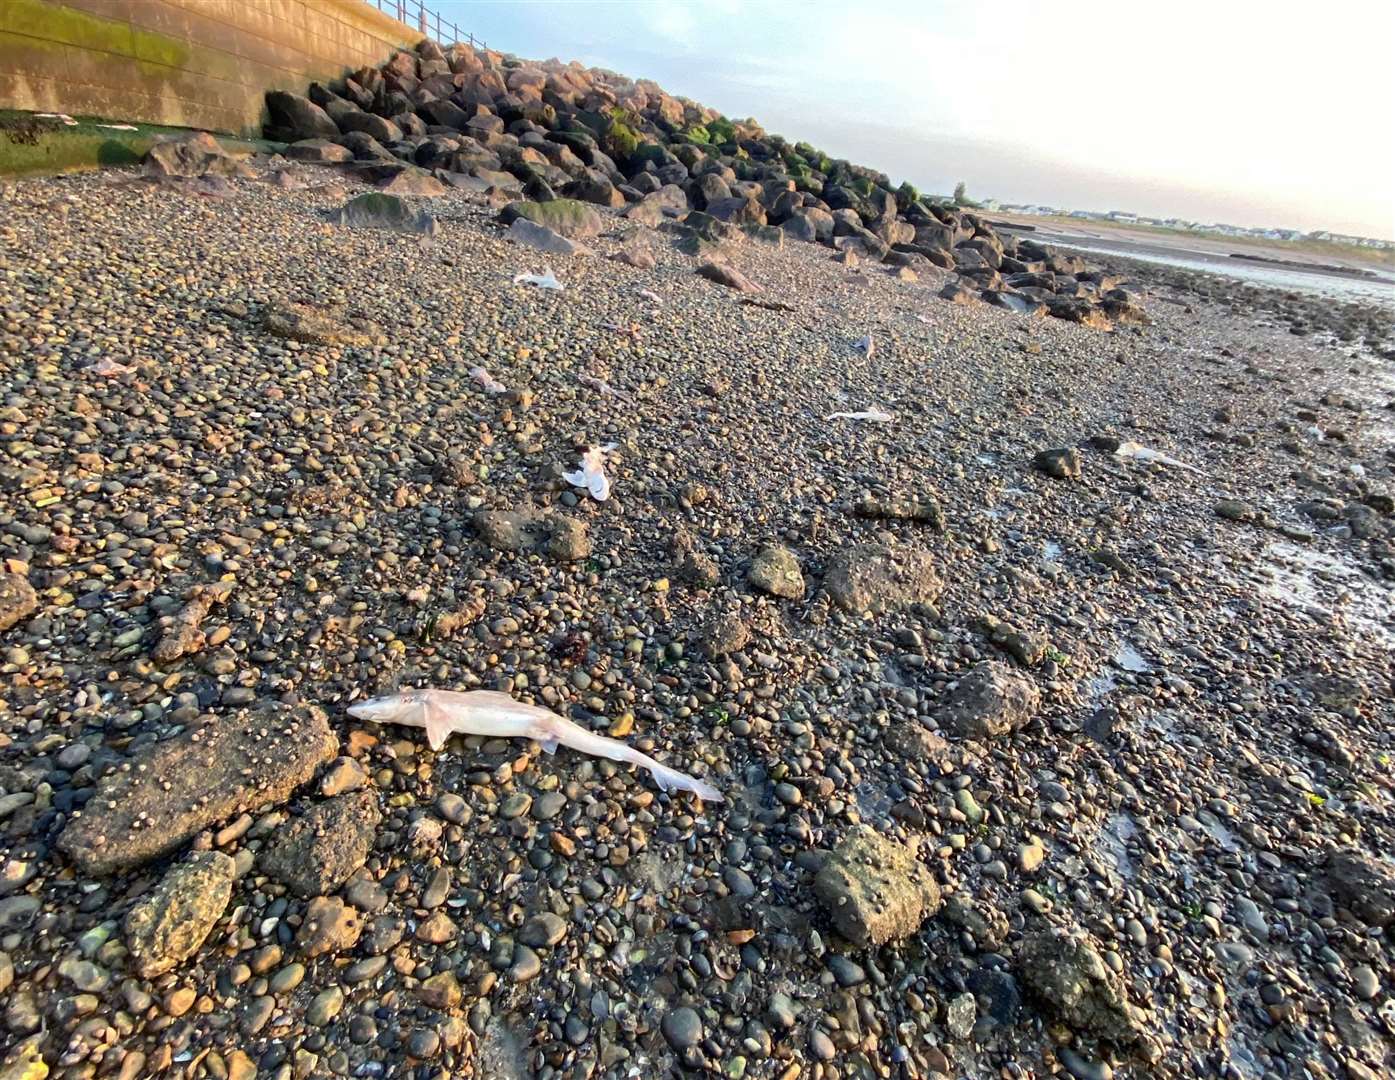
x=317 y=853
x=155 y=803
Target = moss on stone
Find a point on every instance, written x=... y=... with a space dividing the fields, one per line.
x=84 y=146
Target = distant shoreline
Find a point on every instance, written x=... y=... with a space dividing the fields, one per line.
x=1297 y=264
x=1330 y=258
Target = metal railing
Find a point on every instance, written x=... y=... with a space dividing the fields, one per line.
x=416 y=13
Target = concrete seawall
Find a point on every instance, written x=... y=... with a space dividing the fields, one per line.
x=185 y=63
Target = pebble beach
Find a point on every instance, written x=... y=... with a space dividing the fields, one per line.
x=1039 y=755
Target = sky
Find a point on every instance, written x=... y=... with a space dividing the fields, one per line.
x=1273 y=114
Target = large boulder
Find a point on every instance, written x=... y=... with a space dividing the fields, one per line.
x=1061 y=462
x=294 y=118
x=992 y=699
x=195 y=154
x=881 y=204
x=842 y=198
x=729 y=276
x=382 y=129
x=17 y=600
x=169 y=924
x=1068 y=975
x=709 y=188
x=540 y=238
x=820 y=221
x=864 y=243
x=937 y=256
x=738 y=210
x=412 y=125
x=1080 y=310
x=203 y=777
x=595 y=189
x=648 y=211
x=561 y=537
x=319 y=152
x=1364 y=885
x=799 y=228
x=377 y=210
x=580 y=143
x=878 y=577
x=483 y=124
x=445 y=114
x=875 y=889
x=320 y=324
x=890 y=231
x=322 y=849
x=935 y=235
x=366 y=148
x=566 y=217
x=410 y=181
x=336 y=106
x=401 y=65
x=775 y=570
x=990 y=252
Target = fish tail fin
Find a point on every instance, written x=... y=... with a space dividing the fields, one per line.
x=673 y=780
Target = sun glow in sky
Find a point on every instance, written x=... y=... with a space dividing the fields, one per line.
x=1278 y=113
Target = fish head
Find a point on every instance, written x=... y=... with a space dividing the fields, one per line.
x=403 y=708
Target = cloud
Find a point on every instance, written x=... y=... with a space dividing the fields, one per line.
x=676 y=22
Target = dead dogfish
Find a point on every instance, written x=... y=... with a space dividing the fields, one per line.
x=485 y=712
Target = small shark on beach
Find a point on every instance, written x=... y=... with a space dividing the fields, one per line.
x=444 y=713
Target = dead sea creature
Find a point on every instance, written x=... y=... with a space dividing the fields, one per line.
x=489 y=382
x=874 y=415
x=486 y=712
x=1138 y=452
x=110 y=369
x=592 y=475
x=546 y=280
x=600 y=386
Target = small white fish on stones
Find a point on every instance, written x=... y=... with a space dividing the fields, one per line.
x=876 y=416
x=444 y=713
x=1146 y=454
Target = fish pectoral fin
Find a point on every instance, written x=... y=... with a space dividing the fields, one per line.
x=437 y=724
x=544 y=735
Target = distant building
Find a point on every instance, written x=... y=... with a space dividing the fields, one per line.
x=1355 y=241
x=1128 y=217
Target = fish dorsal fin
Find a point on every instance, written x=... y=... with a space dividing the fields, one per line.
x=436 y=721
